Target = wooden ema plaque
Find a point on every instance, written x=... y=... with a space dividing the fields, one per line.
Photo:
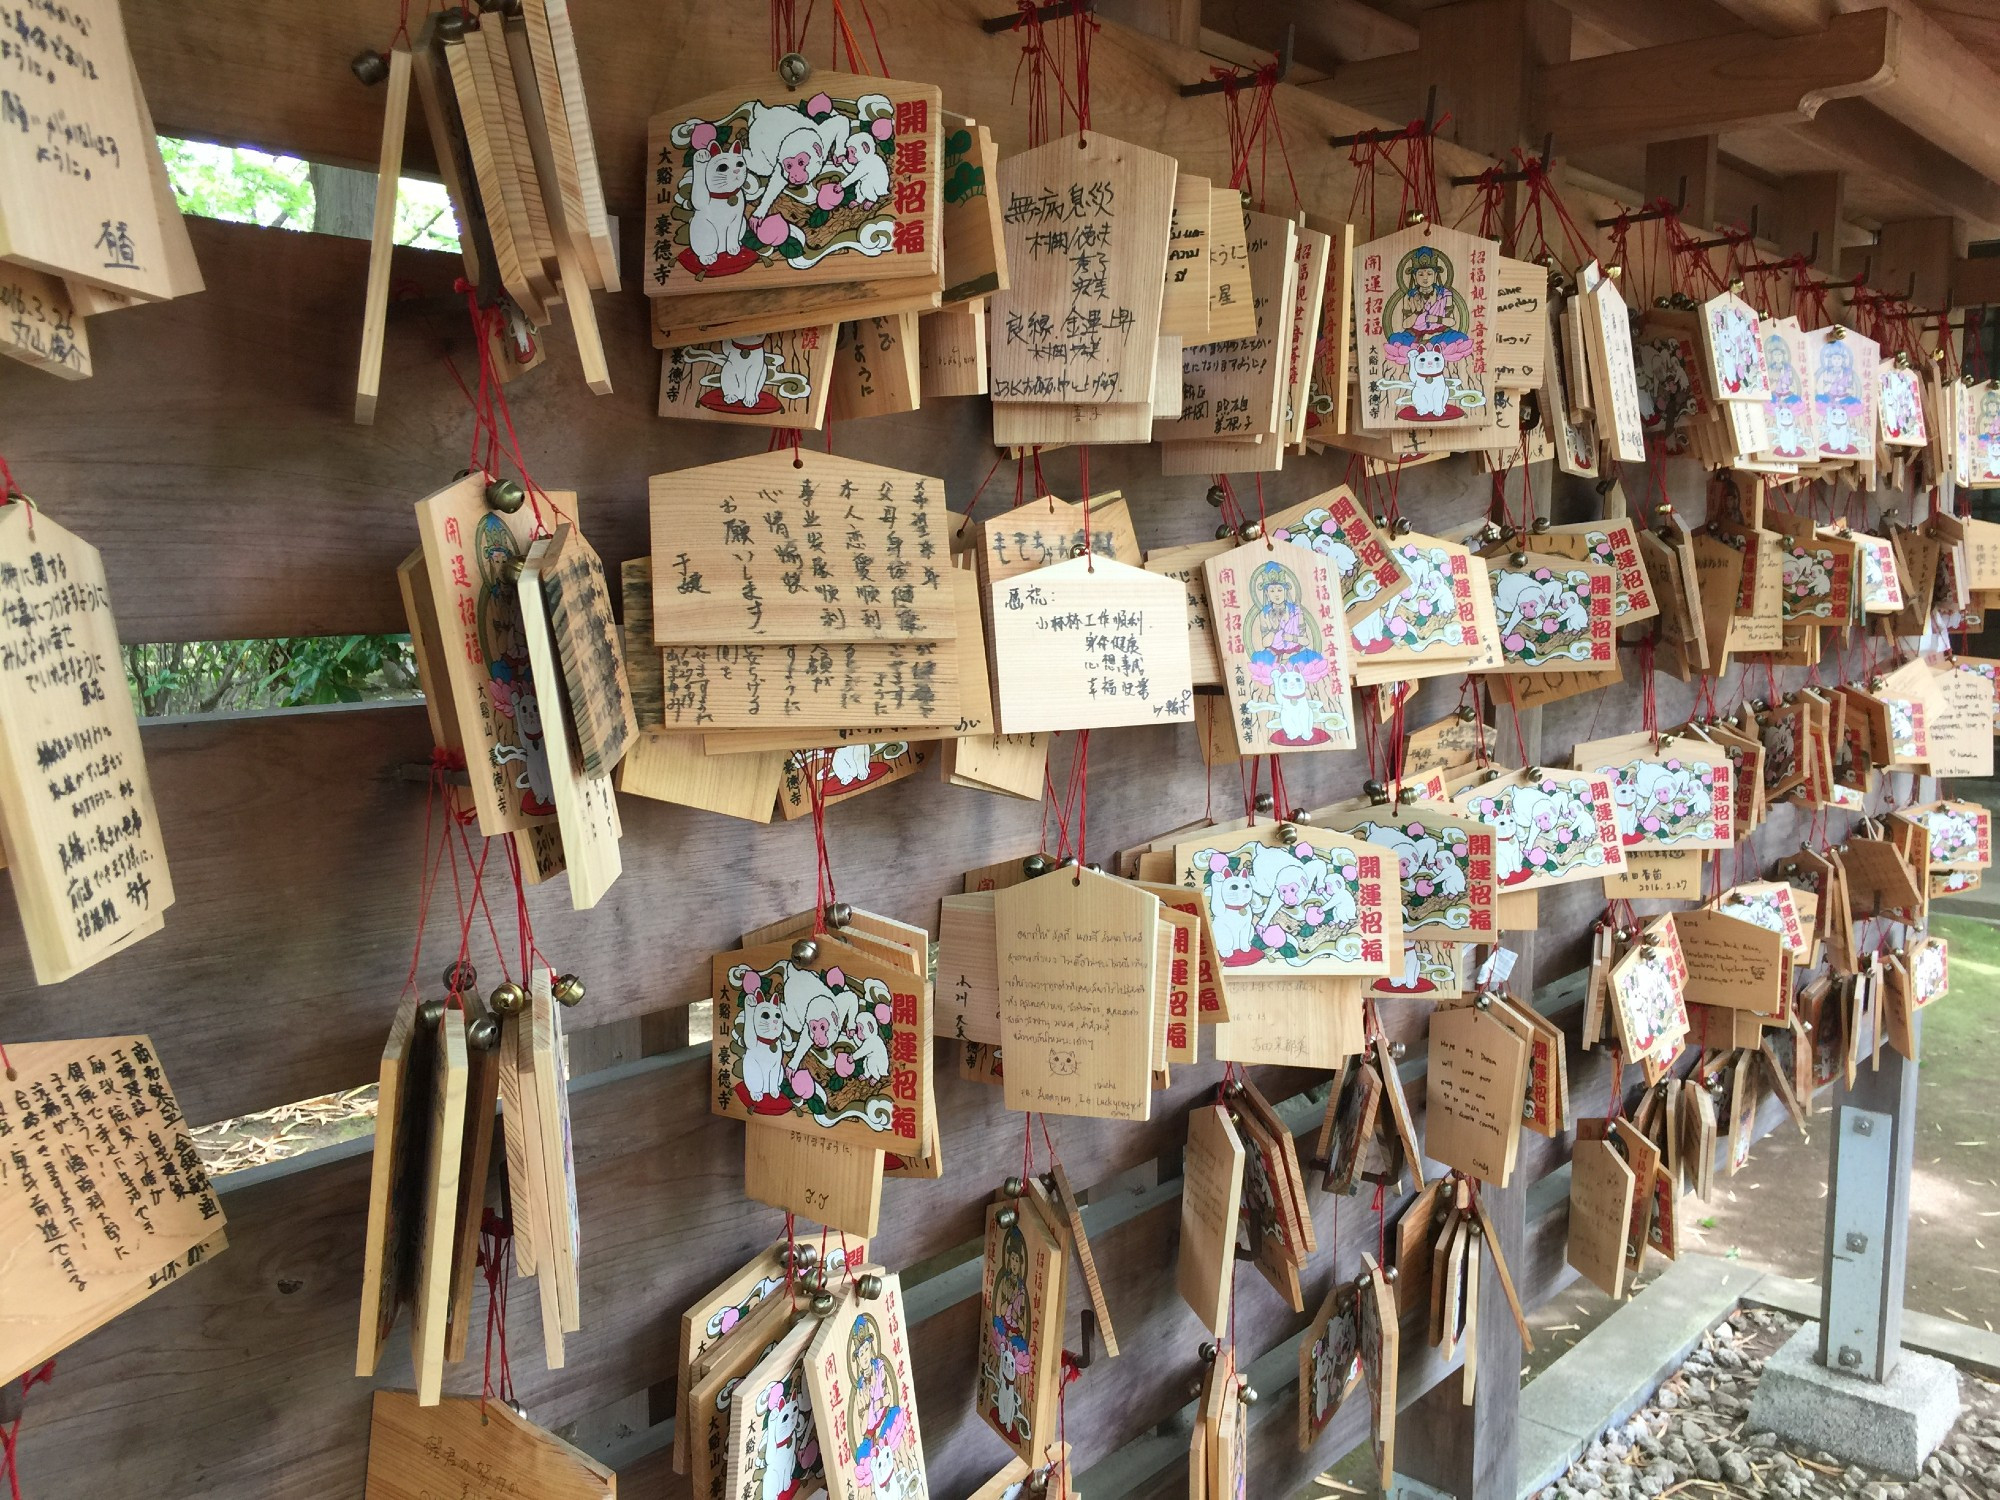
x=471 y=1449
x=1211 y=1204
x=1077 y=953
x=473 y=554
x=1329 y=1362
x=1281 y=635
x=1600 y=1215
x=77 y=820
x=1554 y=829
x=1234 y=390
x=77 y=197
x=763 y=188
x=1478 y=1074
x=754 y=380
x=1334 y=525
x=1086 y=224
x=42 y=326
x=1325 y=904
x=865 y=1397
x=1450 y=879
x=1021 y=1328
x=731 y=540
x=836 y=1047
x=1423 y=312
x=769 y=1432
x=1087 y=644
x=1674 y=795
x=833 y=1181
x=586 y=807
x=79 y=1119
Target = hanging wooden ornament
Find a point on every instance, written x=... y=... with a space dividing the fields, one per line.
x=1334 y=525
x=1445 y=861
x=1676 y=794
x=772 y=1437
x=1550 y=829
x=1021 y=1315
x=715 y=1379
x=1211 y=1204
x=1314 y=903
x=864 y=1394
x=1961 y=834
x=753 y=380
x=1900 y=403
x=1478 y=1076
x=1424 y=314
x=93 y=1111
x=415 y=1451
x=1329 y=1361
x=1282 y=637
x=1842 y=366
x=1553 y=614
x=824 y=1037
x=1351 y=1113
x=1607 y=330
x=1233 y=390
x=77 y=820
x=758 y=189
x=1731 y=963
x=1433 y=625
x=1647 y=993
x=1381 y=1338
x=1088 y=644
x=1077 y=957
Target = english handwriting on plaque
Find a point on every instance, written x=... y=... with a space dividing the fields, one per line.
x=1070 y=991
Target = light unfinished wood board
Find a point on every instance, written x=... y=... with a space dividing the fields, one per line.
x=551 y=1102
x=417 y=1451
x=1303 y=1022
x=1076 y=953
x=1312 y=254
x=494 y=178
x=975 y=252
x=589 y=648
x=1090 y=643
x=767 y=1423
x=1046 y=530
x=586 y=806
x=1231 y=312
x=859 y=1365
x=437 y=1233
x=1280 y=631
x=1184 y=312
x=597 y=225
x=475 y=1158
x=1478 y=1075
x=673 y=767
x=1233 y=390
x=1087 y=225
x=1047 y=425
x=752 y=380
x=40 y=324
x=1211 y=1201
x=713 y=1381
x=727 y=538
x=96 y=1118
x=835 y=1183
x=77 y=819
x=382 y=235
x=968 y=972
x=501 y=107
x=382 y=1266
x=951 y=350
x=731 y=213
x=1186 y=564
x=542 y=103
x=876 y=370
x=680 y=320
x=76 y=193
x=1013 y=765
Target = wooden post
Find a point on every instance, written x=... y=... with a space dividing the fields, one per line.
x=1692 y=159
x=1813 y=203
x=1482 y=55
x=1927 y=249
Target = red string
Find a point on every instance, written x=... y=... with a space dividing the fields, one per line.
x=496 y=1261
x=10 y=1435
x=1083 y=465
x=813 y=766
x=1044 y=63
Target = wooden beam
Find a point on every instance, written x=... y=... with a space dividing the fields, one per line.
x=1734 y=81
x=1852 y=135
x=1389 y=88
x=1975 y=281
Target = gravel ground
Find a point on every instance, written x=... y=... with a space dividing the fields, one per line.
x=1691 y=1441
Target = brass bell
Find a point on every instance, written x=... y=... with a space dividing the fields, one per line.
x=796 y=1257
x=1095 y=868
x=568 y=990
x=1374 y=790
x=1302 y=816
x=430 y=1013
x=508 y=999
x=1541 y=525
x=804 y=951
x=1037 y=1483
x=1517 y=559
x=1035 y=864
x=505 y=495
x=1216 y=495
x=1398 y=1051
x=1389 y=1275
x=1413 y=218
x=460 y=976
x=822 y=1304
x=482 y=1032
x=1250 y=531
x=370 y=67
x=1248 y=1396
x=870 y=1286
x=839 y=914
x=794 y=70
x=1264 y=804
x=451 y=24
x=1224 y=533
x=1382 y=519
x=1287 y=834
x=1467 y=714
x=1208 y=1352
x=1007 y=1218
x=1067 y=862
x=1013 y=1187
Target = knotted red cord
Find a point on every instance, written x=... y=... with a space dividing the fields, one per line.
x=10 y=1435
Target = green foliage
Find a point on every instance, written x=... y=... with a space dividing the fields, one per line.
x=253 y=187
x=204 y=677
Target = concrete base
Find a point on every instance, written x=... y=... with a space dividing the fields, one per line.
x=1892 y=1427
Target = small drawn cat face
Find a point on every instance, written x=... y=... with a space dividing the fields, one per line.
x=1062 y=1063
